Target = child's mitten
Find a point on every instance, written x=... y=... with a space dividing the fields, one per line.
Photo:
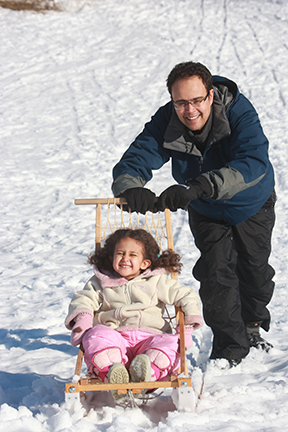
x=188 y=335
x=83 y=322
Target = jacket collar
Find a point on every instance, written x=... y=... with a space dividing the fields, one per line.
x=114 y=280
x=178 y=137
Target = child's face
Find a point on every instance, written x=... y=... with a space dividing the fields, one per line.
x=128 y=259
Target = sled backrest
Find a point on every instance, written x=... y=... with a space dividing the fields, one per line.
x=110 y=216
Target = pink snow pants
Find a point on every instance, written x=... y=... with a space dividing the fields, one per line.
x=130 y=344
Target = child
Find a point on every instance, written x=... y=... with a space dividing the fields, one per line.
x=118 y=316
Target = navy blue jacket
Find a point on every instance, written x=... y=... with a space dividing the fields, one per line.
x=235 y=159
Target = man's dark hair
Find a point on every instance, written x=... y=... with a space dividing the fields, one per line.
x=187 y=70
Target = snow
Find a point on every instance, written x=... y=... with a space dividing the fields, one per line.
x=76 y=88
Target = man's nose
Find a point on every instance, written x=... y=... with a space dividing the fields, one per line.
x=190 y=107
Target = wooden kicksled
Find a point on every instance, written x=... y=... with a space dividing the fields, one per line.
x=110 y=216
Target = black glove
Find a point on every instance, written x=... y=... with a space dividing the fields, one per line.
x=140 y=200
x=178 y=196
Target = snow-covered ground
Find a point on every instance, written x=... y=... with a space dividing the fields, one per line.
x=76 y=88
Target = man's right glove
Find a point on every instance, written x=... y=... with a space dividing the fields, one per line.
x=140 y=200
x=179 y=196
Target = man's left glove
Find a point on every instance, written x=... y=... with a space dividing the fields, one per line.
x=179 y=196
x=140 y=200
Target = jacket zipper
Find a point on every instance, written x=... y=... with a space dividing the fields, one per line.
x=127 y=293
x=200 y=163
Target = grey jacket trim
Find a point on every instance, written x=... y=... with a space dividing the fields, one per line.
x=124 y=182
x=177 y=137
x=227 y=182
x=223 y=93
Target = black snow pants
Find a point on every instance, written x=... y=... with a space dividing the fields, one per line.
x=236 y=279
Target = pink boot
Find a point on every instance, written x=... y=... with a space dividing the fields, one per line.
x=160 y=364
x=103 y=360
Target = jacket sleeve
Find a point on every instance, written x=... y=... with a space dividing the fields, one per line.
x=171 y=292
x=87 y=300
x=144 y=155
x=249 y=160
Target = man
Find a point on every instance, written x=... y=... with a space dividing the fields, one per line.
x=220 y=159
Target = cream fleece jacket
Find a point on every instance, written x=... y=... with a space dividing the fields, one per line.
x=137 y=304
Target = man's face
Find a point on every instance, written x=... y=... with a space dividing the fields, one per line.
x=189 y=90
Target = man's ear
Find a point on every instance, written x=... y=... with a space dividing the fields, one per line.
x=145 y=264
x=211 y=94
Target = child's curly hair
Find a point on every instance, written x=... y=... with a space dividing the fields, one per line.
x=168 y=259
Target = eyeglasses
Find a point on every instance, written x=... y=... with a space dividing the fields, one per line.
x=181 y=105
